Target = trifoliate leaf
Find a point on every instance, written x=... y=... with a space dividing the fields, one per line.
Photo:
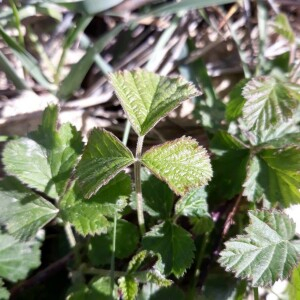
x=47 y=157
x=154 y=189
x=129 y=287
x=294 y=286
x=269 y=102
x=193 y=204
x=173 y=244
x=23 y=212
x=181 y=163
x=4 y=293
x=92 y=216
x=100 y=247
x=103 y=158
x=265 y=254
x=147 y=97
x=274 y=175
x=17 y=258
x=283 y=27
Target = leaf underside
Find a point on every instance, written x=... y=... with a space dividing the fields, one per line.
x=265 y=254
x=147 y=97
x=103 y=158
x=181 y=163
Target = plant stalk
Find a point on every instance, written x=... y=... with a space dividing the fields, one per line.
x=112 y=262
x=256 y=295
x=138 y=184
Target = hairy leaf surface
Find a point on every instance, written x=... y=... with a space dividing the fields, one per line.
x=265 y=254
x=103 y=158
x=92 y=216
x=22 y=211
x=268 y=102
x=174 y=245
x=47 y=157
x=17 y=258
x=181 y=163
x=147 y=97
x=129 y=287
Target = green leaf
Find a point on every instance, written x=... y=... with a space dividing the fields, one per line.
x=224 y=141
x=171 y=292
x=100 y=248
x=27 y=60
x=137 y=261
x=229 y=175
x=129 y=287
x=268 y=102
x=193 y=204
x=154 y=189
x=147 y=97
x=173 y=244
x=290 y=139
x=90 y=216
x=274 y=175
x=181 y=163
x=17 y=258
x=234 y=108
x=79 y=70
x=265 y=254
x=294 y=286
x=47 y=157
x=154 y=276
x=4 y=293
x=22 y=211
x=283 y=27
x=103 y=158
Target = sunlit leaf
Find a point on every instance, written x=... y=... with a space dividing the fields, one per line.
x=47 y=157
x=129 y=287
x=147 y=97
x=269 y=102
x=294 y=286
x=22 y=211
x=173 y=244
x=265 y=254
x=283 y=27
x=103 y=158
x=4 y=293
x=181 y=163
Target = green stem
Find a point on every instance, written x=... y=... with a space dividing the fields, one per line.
x=138 y=184
x=126 y=132
x=255 y=292
x=197 y=267
x=112 y=262
x=70 y=236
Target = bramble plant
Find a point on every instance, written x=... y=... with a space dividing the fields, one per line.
x=256 y=163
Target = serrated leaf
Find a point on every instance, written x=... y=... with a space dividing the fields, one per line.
x=265 y=254
x=154 y=276
x=103 y=158
x=100 y=247
x=4 y=293
x=268 y=102
x=92 y=216
x=181 y=163
x=173 y=244
x=46 y=158
x=22 y=211
x=283 y=27
x=148 y=97
x=129 y=287
x=287 y=140
x=193 y=204
x=17 y=258
x=136 y=261
x=274 y=175
x=154 y=189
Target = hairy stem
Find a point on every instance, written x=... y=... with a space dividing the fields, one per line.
x=138 y=184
